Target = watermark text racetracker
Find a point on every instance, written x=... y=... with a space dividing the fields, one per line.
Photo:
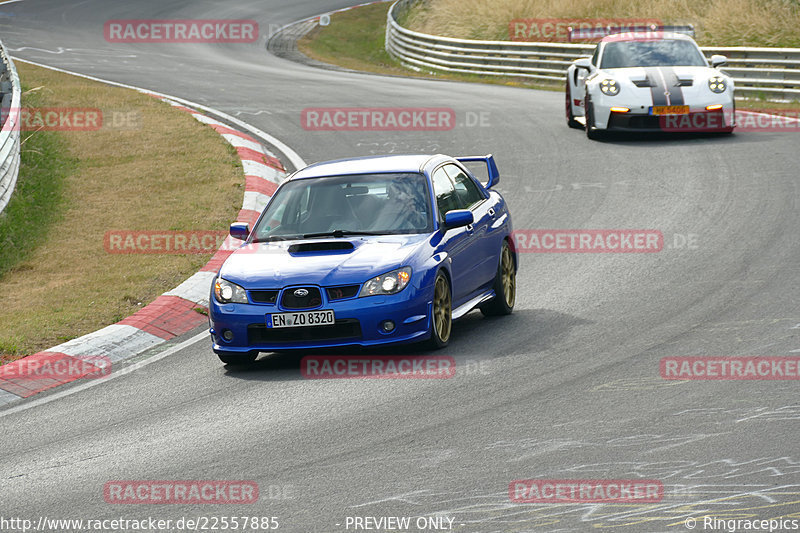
x=730 y=368
x=74 y=118
x=588 y=241
x=586 y=490
x=181 y=31
x=389 y=367
x=167 y=242
x=57 y=366
x=180 y=492
x=389 y=119
x=558 y=29
x=763 y=120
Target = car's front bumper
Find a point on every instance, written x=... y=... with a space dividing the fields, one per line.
x=700 y=121
x=358 y=322
x=639 y=104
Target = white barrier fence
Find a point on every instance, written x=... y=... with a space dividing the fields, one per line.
x=10 y=134
x=768 y=72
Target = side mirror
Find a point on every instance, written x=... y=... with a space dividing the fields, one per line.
x=240 y=230
x=458 y=218
x=584 y=62
x=718 y=60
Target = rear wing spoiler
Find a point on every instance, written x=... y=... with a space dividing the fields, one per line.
x=652 y=30
x=491 y=166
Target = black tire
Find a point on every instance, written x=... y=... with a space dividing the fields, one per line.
x=442 y=316
x=571 y=122
x=591 y=132
x=505 y=285
x=237 y=359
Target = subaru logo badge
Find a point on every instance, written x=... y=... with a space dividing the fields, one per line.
x=301 y=293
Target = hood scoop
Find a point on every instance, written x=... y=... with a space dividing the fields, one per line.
x=643 y=83
x=323 y=246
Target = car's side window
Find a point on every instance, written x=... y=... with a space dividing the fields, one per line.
x=467 y=193
x=445 y=193
x=596 y=53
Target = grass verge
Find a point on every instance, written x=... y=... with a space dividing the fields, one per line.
x=716 y=22
x=150 y=167
x=355 y=39
x=37 y=202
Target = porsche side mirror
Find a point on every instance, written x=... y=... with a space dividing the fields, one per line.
x=584 y=62
x=718 y=60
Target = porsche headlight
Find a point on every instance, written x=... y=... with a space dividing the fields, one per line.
x=609 y=87
x=226 y=292
x=717 y=84
x=389 y=283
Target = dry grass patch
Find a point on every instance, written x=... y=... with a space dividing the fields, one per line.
x=163 y=171
x=355 y=39
x=717 y=22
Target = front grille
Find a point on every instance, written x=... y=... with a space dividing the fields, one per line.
x=340 y=293
x=264 y=297
x=689 y=123
x=645 y=122
x=290 y=300
x=348 y=328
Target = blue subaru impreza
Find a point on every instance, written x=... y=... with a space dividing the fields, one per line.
x=366 y=251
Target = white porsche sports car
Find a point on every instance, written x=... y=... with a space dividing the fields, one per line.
x=649 y=81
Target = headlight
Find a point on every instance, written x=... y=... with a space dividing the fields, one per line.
x=389 y=283
x=609 y=87
x=226 y=292
x=717 y=84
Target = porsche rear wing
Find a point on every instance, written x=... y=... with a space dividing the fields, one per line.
x=491 y=166
x=644 y=29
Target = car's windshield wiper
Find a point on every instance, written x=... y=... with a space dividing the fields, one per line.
x=340 y=233
x=272 y=238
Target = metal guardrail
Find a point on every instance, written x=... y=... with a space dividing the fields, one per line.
x=10 y=94
x=768 y=72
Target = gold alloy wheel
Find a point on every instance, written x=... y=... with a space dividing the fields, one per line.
x=509 y=279
x=442 y=318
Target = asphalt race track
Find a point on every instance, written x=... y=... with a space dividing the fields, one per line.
x=568 y=387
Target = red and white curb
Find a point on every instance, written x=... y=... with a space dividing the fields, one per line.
x=172 y=314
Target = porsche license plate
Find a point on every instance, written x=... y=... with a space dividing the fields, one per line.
x=301 y=319
x=669 y=110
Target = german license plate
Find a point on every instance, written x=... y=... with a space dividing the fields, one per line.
x=669 y=110
x=301 y=319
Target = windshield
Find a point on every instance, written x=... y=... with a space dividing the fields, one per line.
x=656 y=53
x=367 y=204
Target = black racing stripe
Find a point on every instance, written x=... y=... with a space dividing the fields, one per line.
x=676 y=93
x=664 y=89
x=657 y=88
